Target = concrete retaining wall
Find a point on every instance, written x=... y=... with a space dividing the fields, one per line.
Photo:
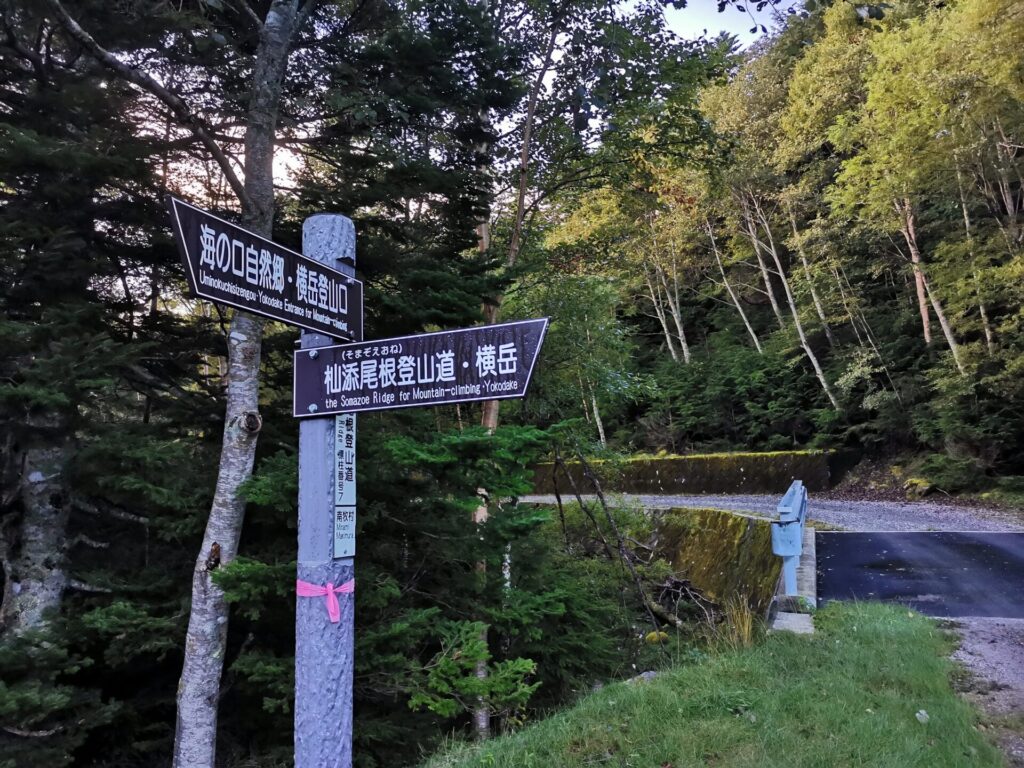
x=722 y=553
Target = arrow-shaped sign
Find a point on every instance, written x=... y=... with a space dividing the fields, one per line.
x=230 y=265
x=489 y=362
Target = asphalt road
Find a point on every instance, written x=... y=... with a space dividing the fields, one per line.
x=938 y=574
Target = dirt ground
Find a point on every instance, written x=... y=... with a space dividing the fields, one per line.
x=992 y=652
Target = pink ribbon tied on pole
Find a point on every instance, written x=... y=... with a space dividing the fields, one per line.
x=331 y=592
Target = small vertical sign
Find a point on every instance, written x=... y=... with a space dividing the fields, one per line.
x=345 y=485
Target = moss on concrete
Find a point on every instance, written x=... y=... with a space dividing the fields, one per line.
x=723 y=554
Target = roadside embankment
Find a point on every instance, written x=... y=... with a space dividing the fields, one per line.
x=870 y=688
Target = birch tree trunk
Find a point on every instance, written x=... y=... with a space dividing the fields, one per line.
x=597 y=419
x=659 y=311
x=795 y=312
x=923 y=287
x=34 y=567
x=199 y=687
x=986 y=326
x=195 y=741
x=947 y=329
x=909 y=235
x=672 y=300
x=750 y=229
x=810 y=282
x=729 y=289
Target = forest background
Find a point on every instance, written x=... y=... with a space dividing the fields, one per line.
x=815 y=243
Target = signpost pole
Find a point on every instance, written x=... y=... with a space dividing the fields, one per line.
x=323 y=647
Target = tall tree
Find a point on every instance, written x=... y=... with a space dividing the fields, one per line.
x=262 y=46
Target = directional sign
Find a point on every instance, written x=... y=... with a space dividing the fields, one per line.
x=489 y=362
x=345 y=485
x=230 y=265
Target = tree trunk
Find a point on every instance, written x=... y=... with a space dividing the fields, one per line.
x=910 y=236
x=34 y=565
x=947 y=329
x=986 y=326
x=796 y=314
x=810 y=282
x=659 y=311
x=195 y=739
x=731 y=292
x=672 y=300
x=490 y=408
x=750 y=229
x=199 y=687
x=846 y=305
x=597 y=419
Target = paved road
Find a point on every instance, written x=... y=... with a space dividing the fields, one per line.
x=938 y=574
x=848 y=515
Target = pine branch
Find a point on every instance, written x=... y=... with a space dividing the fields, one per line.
x=177 y=106
x=82 y=586
x=248 y=12
x=108 y=509
x=29 y=734
x=91 y=543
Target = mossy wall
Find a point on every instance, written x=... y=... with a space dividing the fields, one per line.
x=706 y=473
x=722 y=554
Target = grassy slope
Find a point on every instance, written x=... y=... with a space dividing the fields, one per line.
x=846 y=696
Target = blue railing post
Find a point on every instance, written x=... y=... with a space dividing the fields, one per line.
x=788 y=533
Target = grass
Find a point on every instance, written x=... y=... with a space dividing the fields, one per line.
x=1006 y=492
x=845 y=696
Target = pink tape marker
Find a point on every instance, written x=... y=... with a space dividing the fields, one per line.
x=331 y=592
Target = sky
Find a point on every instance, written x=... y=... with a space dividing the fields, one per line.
x=700 y=15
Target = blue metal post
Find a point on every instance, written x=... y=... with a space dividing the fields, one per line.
x=788 y=533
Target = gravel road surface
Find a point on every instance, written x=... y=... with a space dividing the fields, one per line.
x=992 y=650
x=849 y=515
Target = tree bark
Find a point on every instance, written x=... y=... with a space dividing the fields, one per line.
x=34 y=565
x=729 y=289
x=750 y=229
x=810 y=282
x=909 y=235
x=795 y=312
x=195 y=739
x=986 y=326
x=924 y=290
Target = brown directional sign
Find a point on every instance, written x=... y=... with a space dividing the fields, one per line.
x=490 y=362
x=230 y=265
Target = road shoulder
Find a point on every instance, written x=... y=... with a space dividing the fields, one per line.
x=991 y=653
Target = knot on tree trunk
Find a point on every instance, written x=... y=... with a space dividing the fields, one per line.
x=250 y=423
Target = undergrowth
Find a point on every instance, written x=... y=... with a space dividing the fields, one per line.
x=870 y=688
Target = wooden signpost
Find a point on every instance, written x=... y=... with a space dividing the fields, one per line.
x=317 y=291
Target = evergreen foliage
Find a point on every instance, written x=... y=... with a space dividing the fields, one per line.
x=737 y=250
